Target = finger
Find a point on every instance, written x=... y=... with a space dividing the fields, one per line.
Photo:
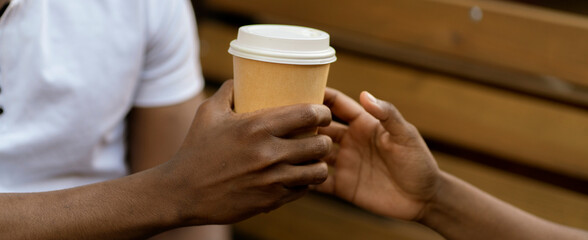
x=335 y=131
x=331 y=157
x=342 y=105
x=293 y=176
x=223 y=97
x=301 y=150
x=328 y=186
x=388 y=115
x=282 y=121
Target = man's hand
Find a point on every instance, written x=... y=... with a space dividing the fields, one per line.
x=381 y=164
x=230 y=167
x=242 y=165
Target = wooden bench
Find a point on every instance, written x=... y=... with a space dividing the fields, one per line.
x=498 y=89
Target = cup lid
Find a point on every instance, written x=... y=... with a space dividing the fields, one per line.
x=283 y=44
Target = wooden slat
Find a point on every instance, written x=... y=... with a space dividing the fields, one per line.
x=573 y=6
x=315 y=217
x=533 y=40
x=532 y=131
x=529 y=83
x=546 y=201
x=512 y=126
x=217 y=63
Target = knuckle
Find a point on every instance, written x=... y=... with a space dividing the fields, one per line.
x=411 y=130
x=322 y=173
x=393 y=112
x=242 y=130
x=323 y=145
x=267 y=155
x=253 y=127
x=267 y=128
x=209 y=115
x=314 y=174
x=204 y=108
x=324 y=116
x=309 y=116
x=386 y=143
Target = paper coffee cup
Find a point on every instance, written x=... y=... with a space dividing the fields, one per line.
x=278 y=65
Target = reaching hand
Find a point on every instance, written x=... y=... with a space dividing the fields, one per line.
x=381 y=164
x=242 y=164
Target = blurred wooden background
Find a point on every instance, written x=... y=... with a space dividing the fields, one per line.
x=499 y=89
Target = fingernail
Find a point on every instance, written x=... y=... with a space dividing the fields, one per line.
x=371 y=97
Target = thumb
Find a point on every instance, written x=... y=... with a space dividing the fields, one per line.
x=223 y=97
x=389 y=116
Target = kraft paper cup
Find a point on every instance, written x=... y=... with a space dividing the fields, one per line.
x=260 y=85
x=278 y=65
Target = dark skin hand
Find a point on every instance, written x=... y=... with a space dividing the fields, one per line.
x=383 y=165
x=245 y=157
x=380 y=163
x=230 y=167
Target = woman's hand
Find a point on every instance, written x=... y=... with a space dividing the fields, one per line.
x=381 y=163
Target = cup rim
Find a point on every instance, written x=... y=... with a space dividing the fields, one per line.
x=285 y=44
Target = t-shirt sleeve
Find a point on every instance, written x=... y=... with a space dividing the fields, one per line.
x=171 y=70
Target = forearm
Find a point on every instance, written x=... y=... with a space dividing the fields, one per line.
x=118 y=209
x=155 y=135
x=461 y=211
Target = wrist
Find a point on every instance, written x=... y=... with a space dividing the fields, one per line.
x=175 y=191
x=436 y=204
x=164 y=196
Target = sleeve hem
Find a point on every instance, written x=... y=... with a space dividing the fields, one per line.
x=176 y=98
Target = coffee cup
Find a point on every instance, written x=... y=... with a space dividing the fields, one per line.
x=278 y=65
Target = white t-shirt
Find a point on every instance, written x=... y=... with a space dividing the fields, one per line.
x=70 y=71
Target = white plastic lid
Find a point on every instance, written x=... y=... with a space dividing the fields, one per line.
x=283 y=44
